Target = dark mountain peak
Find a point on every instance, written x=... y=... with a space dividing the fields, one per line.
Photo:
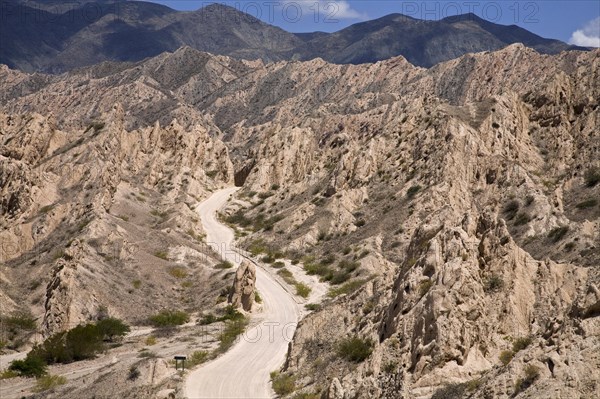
x=146 y=29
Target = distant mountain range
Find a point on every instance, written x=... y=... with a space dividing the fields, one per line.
x=48 y=36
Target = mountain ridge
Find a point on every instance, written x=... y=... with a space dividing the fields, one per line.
x=133 y=31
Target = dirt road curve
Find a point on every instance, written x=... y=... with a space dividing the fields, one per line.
x=243 y=372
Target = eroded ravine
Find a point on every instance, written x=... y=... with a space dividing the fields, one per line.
x=243 y=372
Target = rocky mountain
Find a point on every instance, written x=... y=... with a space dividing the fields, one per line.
x=56 y=37
x=454 y=211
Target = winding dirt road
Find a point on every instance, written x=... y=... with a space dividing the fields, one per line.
x=243 y=372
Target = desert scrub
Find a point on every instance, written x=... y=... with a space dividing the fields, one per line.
x=531 y=374
x=424 y=287
x=31 y=366
x=522 y=219
x=590 y=203
x=505 y=357
x=592 y=176
x=230 y=333
x=229 y=313
x=312 y=307
x=198 y=357
x=355 y=349
x=347 y=288
x=257 y=297
x=511 y=208
x=151 y=340
x=287 y=276
x=178 y=272
x=48 y=382
x=283 y=384
x=521 y=343
x=164 y=255
x=493 y=283
x=169 y=318
x=411 y=192
x=558 y=233
x=302 y=290
x=224 y=265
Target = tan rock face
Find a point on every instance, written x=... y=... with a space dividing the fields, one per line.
x=242 y=292
x=454 y=210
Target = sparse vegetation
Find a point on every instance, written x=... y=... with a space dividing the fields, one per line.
x=232 y=330
x=230 y=314
x=224 y=265
x=521 y=343
x=169 y=318
x=506 y=357
x=531 y=374
x=151 y=340
x=347 y=288
x=134 y=373
x=283 y=384
x=522 y=219
x=592 y=177
x=511 y=209
x=493 y=283
x=312 y=306
x=198 y=357
x=355 y=349
x=302 y=290
x=257 y=297
x=360 y=223
x=425 y=286
x=411 y=192
x=178 y=272
x=164 y=255
x=136 y=284
x=558 y=233
x=48 y=382
x=31 y=366
x=125 y=218
x=590 y=203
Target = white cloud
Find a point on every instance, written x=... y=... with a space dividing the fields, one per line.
x=327 y=10
x=589 y=36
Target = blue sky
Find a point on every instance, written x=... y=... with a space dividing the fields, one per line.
x=576 y=21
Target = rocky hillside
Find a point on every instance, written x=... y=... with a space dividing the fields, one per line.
x=454 y=210
x=54 y=36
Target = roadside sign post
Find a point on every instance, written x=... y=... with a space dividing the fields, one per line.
x=177 y=360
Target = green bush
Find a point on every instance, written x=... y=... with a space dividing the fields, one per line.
x=531 y=374
x=411 y=192
x=522 y=218
x=278 y=265
x=425 y=286
x=198 y=357
x=592 y=177
x=169 y=318
x=287 y=276
x=511 y=209
x=558 y=233
x=112 y=328
x=283 y=384
x=134 y=373
x=48 y=382
x=22 y=320
x=506 y=357
x=302 y=290
x=162 y=255
x=178 y=272
x=347 y=288
x=312 y=306
x=450 y=391
x=521 y=343
x=590 y=203
x=224 y=265
x=355 y=349
x=494 y=283
x=31 y=366
x=232 y=330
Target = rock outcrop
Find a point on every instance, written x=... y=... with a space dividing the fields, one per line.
x=244 y=284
